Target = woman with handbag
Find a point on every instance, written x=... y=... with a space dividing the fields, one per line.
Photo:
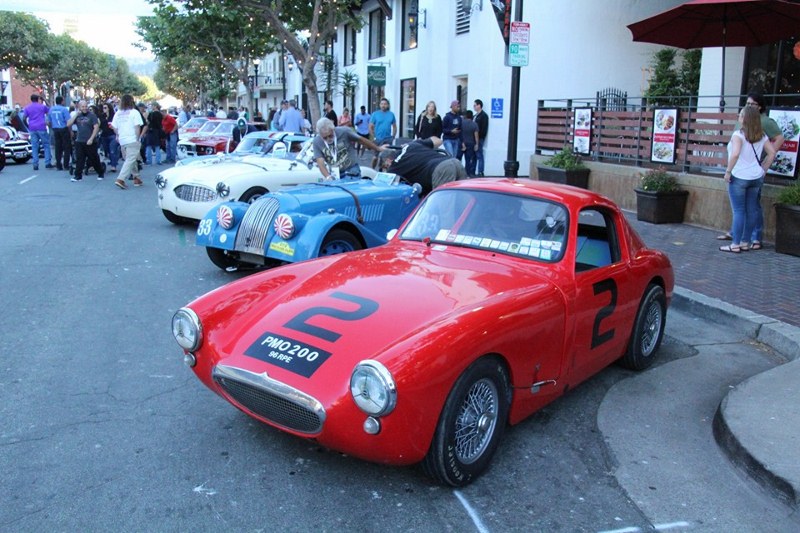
x=745 y=176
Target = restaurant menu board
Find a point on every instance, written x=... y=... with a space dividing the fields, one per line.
x=786 y=161
x=582 y=130
x=665 y=127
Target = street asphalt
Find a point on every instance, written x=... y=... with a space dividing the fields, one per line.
x=758 y=422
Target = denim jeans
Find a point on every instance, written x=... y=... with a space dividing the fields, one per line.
x=744 y=195
x=479 y=157
x=149 y=151
x=452 y=147
x=172 y=146
x=42 y=137
x=111 y=149
x=470 y=159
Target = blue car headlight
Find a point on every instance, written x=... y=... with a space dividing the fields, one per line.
x=187 y=330
x=373 y=388
x=284 y=226
x=225 y=217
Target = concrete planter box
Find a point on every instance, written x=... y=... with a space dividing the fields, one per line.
x=661 y=207
x=787 y=229
x=576 y=178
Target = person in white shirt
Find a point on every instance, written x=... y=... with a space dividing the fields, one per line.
x=127 y=124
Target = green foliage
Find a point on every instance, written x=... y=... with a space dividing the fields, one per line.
x=566 y=159
x=659 y=180
x=42 y=59
x=348 y=83
x=790 y=195
x=669 y=85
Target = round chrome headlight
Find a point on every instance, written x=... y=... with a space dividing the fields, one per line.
x=161 y=181
x=373 y=388
x=223 y=190
x=186 y=329
x=283 y=226
x=225 y=217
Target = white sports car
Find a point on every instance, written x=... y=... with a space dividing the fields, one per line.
x=187 y=192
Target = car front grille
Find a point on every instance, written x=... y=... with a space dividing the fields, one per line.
x=195 y=193
x=256 y=225
x=271 y=400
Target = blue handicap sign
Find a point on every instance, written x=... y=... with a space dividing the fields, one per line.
x=497 y=108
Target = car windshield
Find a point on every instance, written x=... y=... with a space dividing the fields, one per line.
x=196 y=122
x=225 y=128
x=255 y=145
x=504 y=223
x=208 y=127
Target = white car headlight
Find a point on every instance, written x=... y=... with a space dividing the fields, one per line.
x=223 y=189
x=186 y=329
x=373 y=388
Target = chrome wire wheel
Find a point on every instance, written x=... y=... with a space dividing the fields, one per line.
x=652 y=329
x=476 y=421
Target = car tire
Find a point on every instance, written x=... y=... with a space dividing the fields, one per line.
x=172 y=217
x=22 y=159
x=648 y=329
x=339 y=241
x=251 y=195
x=221 y=259
x=456 y=457
x=2 y=161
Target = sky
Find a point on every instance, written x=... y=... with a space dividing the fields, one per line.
x=107 y=25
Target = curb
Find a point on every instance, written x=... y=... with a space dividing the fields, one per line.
x=781 y=337
x=739 y=455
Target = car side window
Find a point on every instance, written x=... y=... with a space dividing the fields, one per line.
x=597 y=244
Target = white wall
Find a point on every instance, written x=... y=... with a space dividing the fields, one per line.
x=577 y=48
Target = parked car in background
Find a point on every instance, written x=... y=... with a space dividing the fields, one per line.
x=187 y=192
x=272 y=143
x=494 y=299
x=16 y=144
x=306 y=221
x=191 y=127
x=214 y=137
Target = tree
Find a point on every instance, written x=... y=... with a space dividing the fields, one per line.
x=222 y=32
x=304 y=29
x=21 y=38
x=348 y=81
x=670 y=86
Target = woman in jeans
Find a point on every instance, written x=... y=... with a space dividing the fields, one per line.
x=745 y=176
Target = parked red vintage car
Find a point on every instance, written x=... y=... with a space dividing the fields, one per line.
x=495 y=298
x=213 y=137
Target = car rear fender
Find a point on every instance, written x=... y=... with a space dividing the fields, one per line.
x=211 y=235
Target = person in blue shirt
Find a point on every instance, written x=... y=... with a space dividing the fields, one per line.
x=362 y=127
x=382 y=126
x=59 y=115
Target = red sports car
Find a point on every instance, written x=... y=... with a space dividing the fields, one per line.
x=495 y=298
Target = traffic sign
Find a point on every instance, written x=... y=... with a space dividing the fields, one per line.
x=519 y=44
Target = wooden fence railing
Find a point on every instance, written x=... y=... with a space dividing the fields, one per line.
x=626 y=136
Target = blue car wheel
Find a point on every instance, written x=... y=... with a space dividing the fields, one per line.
x=339 y=241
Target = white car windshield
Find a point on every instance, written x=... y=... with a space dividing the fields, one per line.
x=208 y=127
x=504 y=223
x=196 y=122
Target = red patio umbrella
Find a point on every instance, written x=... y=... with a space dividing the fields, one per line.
x=712 y=23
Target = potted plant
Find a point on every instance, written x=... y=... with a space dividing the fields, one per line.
x=787 y=220
x=565 y=167
x=659 y=198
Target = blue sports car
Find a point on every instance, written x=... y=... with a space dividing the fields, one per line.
x=306 y=221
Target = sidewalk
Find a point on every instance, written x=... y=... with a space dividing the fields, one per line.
x=758 y=423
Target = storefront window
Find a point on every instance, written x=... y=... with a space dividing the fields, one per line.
x=408 y=107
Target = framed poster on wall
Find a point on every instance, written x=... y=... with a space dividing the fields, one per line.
x=788 y=121
x=665 y=127
x=582 y=130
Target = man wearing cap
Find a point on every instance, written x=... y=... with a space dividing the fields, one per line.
x=451 y=130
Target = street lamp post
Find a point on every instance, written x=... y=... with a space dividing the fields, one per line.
x=256 y=90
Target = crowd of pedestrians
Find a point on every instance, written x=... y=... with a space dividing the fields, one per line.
x=121 y=133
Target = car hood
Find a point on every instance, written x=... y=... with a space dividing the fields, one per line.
x=385 y=303
x=211 y=174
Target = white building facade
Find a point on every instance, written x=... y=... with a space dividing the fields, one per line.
x=444 y=50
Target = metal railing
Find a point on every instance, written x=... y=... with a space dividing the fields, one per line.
x=625 y=135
